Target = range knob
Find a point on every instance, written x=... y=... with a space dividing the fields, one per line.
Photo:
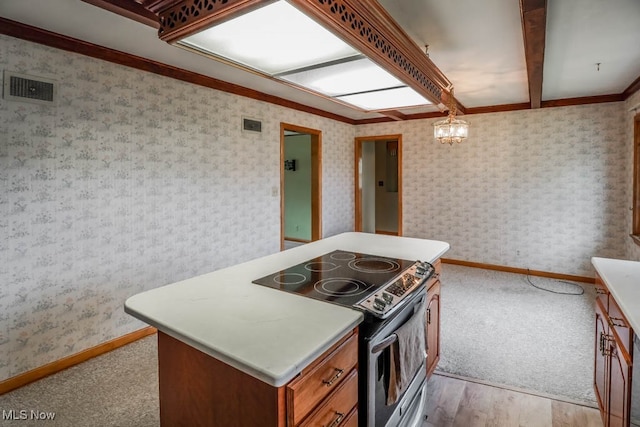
x=379 y=304
x=387 y=297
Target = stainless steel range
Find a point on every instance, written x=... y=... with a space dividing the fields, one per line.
x=391 y=294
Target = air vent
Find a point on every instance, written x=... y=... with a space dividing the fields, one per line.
x=21 y=87
x=251 y=125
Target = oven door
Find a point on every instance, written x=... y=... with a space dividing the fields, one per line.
x=375 y=356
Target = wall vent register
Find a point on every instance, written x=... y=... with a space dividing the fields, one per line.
x=25 y=88
x=251 y=125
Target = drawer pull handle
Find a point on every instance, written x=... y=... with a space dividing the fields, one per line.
x=600 y=291
x=333 y=379
x=612 y=322
x=338 y=420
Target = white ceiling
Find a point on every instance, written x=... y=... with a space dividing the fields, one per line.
x=477 y=44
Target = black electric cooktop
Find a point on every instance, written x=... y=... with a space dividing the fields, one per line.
x=340 y=277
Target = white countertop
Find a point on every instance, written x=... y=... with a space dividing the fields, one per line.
x=269 y=334
x=623 y=280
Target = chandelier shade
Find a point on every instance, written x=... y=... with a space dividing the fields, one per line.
x=451 y=129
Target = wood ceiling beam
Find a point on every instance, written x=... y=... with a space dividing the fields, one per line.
x=534 y=24
x=394 y=114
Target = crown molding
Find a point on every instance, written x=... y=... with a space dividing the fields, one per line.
x=37 y=35
x=59 y=41
x=632 y=88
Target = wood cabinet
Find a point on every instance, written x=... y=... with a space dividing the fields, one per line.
x=199 y=390
x=433 y=320
x=613 y=359
x=327 y=391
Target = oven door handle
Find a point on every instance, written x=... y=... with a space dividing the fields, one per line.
x=384 y=343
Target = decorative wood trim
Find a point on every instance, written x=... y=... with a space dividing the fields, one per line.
x=75 y=359
x=499 y=108
x=187 y=17
x=631 y=89
x=368 y=27
x=394 y=114
x=128 y=9
x=316 y=185
x=566 y=102
x=416 y=116
x=364 y=24
x=358 y=190
x=316 y=181
x=58 y=41
x=559 y=276
x=534 y=23
x=47 y=38
x=636 y=180
x=295 y=239
x=388 y=233
x=400 y=216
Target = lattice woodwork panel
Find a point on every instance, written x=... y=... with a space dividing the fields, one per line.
x=369 y=31
x=365 y=32
x=188 y=12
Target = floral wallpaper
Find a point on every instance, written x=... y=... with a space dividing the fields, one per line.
x=119 y=188
x=541 y=189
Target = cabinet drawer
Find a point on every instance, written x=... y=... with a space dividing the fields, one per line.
x=305 y=392
x=333 y=412
x=619 y=323
x=351 y=420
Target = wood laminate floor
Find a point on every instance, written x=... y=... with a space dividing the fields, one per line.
x=456 y=402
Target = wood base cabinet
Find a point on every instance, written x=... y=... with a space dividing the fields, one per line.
x=199 y=390
x=433 y=320
x=613 y=360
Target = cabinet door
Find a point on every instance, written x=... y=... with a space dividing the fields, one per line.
x=619 y=386
x=602 y=293
x=433 y=327
x=600 y=370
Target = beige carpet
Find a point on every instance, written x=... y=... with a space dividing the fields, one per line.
x=498 y=328
x=495 y=327
x=118 y=389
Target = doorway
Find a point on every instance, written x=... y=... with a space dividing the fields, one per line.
x=378 y=184
x=300 y=185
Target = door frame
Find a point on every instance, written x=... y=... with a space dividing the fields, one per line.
x=358 y=189
x=316 y=179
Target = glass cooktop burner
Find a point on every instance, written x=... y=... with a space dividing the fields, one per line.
x=341 y=277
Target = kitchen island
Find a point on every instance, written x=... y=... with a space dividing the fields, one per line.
x=264 y=336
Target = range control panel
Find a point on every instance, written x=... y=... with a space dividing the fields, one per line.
x=391 y=295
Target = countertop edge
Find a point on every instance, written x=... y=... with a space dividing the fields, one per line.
x=276 y=380
x=150 y=306
x=622 y=301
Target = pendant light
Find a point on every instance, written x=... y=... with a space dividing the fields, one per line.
x=451 y=130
